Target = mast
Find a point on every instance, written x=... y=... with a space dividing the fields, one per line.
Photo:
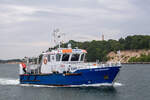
x=57 y=37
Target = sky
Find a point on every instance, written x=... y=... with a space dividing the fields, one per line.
x=26 y=25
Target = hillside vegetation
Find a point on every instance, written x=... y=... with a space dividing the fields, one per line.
x=11 y=61
x=130 y=56
x=98 y=50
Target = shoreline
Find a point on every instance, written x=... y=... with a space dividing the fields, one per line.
x=137 y=63
x=121 y=63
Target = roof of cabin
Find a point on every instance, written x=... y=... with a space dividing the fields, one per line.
x=66 y=50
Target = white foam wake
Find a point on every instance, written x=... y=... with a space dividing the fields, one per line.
x=116 y=84
x=7 y=81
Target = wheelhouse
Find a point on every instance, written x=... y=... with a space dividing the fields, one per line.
x=65 y=55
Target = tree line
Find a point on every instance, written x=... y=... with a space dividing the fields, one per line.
x=10 y=61
x=142 y=58
x=98 y=50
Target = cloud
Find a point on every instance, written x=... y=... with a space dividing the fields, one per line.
x=116 y=5
x=26 y=27
x=11 y=14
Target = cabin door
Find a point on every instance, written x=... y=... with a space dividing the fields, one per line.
x=52 y=63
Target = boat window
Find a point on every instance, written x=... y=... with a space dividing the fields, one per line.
x=49 y=57
x=75 y=57
x=58 y=56
x=65 y=57
x=82 y=57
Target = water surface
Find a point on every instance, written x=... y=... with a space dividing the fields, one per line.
x=132 y=84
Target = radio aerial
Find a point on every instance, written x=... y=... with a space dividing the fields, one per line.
x=58 y=37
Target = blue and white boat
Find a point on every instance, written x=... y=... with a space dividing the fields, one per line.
x=66 y=67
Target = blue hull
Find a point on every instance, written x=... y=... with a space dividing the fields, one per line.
x=79 y=77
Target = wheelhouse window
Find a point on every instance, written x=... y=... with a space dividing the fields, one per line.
x=65 y=57
x=58 y=56
x=75 y=57
x=82 y=57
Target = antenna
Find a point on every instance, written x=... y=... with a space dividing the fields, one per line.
x=57 y=37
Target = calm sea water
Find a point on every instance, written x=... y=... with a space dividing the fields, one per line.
x=133 y=83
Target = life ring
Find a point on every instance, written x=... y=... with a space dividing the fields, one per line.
x=94 y=64
x=45 y=61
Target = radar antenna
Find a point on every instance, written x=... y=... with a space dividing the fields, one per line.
x=58 y=37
